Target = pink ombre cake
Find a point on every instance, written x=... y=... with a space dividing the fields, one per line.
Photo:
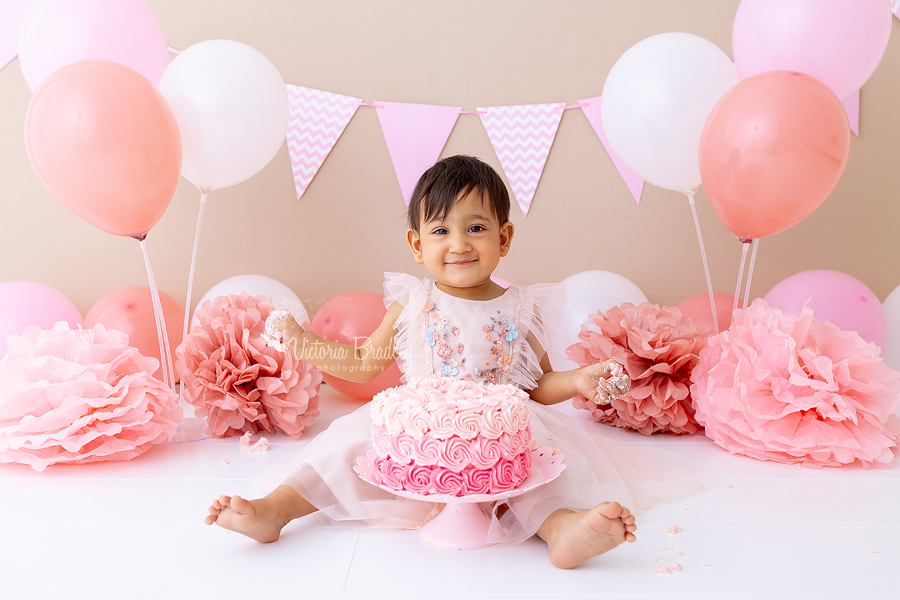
x=451 y=437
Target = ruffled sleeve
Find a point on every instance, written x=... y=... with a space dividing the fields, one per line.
x=413 y=354
x=538 y=312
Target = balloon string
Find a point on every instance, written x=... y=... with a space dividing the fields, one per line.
x=740 y=280
x=190 y=286
x=164 y=351
x=750 y=272
x=712 y=298
x=161 y=321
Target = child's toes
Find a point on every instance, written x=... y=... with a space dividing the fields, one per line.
x=611 y=510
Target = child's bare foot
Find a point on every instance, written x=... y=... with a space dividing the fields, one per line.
x=574 y=537
x=253 y=518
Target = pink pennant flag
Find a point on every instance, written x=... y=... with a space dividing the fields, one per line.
x=852 y=108
x=415 y=135
x=591 y=108
x=522 y=136
x=316 y=120
x=11 y=14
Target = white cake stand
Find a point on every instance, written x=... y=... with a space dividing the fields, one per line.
x=462 y=525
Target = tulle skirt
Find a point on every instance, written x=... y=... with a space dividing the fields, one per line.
x=597 y=470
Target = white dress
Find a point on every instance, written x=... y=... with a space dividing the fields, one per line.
x=494 y=341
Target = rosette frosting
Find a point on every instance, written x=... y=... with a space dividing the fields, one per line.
x=451 y=437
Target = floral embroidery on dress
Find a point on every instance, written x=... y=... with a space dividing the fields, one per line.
x=438 y=337
x=505 y=330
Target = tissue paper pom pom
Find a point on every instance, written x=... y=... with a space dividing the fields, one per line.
x=658 y=347
x=235 y=380
x=787 y=388
x=80 y=396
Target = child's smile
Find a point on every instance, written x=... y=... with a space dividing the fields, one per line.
x=462 y=250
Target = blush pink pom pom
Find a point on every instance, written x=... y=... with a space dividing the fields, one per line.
x=236 y=381
x=80 y=396
x=658 y=348
x=787 y=388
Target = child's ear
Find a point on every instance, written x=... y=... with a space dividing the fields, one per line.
x=506 y=236
x=415 y=244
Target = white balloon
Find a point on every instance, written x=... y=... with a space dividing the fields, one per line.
x=890 y=352
x=586 y=293
x=655 y=102
x=257 y=285
x=231 y=105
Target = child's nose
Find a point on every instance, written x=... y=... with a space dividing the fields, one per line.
x=460 y=243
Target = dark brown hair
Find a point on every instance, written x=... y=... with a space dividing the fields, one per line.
x=449 y=181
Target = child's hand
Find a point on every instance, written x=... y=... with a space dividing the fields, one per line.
x=602 y=382
x=282 y=331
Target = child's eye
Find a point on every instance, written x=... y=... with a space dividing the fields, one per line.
x=440 y=231
x=476 y=229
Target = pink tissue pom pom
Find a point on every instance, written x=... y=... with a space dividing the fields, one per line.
x=235 y=380
x=789 y=389
x=658 y=346
x=80 y=396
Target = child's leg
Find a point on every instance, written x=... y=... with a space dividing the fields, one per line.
x=263 y=519
x=574 y=537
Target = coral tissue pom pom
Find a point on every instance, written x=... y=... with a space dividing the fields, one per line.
x=787 y=388
x=80 y=396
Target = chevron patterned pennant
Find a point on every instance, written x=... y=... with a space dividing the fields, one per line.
x=316 y=121
x=591 y=109
x=522 y=136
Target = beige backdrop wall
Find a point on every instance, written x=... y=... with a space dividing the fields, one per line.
x=348 y=228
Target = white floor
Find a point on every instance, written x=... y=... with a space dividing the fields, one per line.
x=135 y=530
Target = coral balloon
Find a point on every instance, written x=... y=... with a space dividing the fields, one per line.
x=349 y=319
x=840 y=43
x=232 y=106
x=833 y=296
x=56 y=33
x=772 y=150
x=586 y=293
x=697 y=308
x=105 y=144
x=130 y=309
x=26 y=303
x=655 y=101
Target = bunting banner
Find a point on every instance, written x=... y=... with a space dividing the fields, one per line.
x=522 y=136
x=415 y=135
x=591 y=109
x=852 y=108
x=11 y=14
x=316 y=119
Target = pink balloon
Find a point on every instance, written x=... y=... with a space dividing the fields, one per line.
x=105 y=143
x=697 y=308
x=349 y=319
x=772 y=150
x=56 y=33
x=26 y=303
x=130 y=309
x=500 y=281
x=839 y=42
x=833 y=296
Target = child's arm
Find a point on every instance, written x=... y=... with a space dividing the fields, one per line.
x=554 y=387
x=352 y=363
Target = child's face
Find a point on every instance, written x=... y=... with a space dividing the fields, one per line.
x=464 y=248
